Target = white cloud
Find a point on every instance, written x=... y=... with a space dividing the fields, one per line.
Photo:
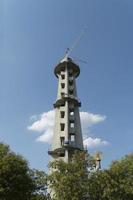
x=94 y=142
x=44 y=124
x=89 y=119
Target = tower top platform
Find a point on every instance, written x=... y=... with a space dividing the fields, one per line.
x=69 y=63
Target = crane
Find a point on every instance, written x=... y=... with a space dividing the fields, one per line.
x=69 y=50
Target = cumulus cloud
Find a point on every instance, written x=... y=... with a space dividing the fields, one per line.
x=44 y=124
x=94 y=142
x=89 y=119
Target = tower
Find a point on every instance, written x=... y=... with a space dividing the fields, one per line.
x=67 y=130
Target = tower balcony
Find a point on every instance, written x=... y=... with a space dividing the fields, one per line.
x=69 y=64
x=59 y=152
x=70 y=145
x=69 y=98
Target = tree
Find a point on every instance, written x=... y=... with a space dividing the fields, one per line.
x=40 y=181
x=122 y=173
x=15 y=179
x=75 y=180
x=116 y=183
x=70 y=180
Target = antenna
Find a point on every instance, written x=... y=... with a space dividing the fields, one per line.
x=69 y=50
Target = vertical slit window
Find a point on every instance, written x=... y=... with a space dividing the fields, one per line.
x=62 y=85
x=62 y=113
x=71 y=92
x=72 y=138
x=62 y=140
x=63 y=76
x=62 y=94
x=63 y=104
x=70 y=72
x=70 y=82
x=72 y=125
x=62 y=127
x=72 y=113
x=70 y=78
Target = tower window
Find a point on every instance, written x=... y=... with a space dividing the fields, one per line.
x=62 y=104
x=71 y=92
x=70 y=82
x=62 y=140
x=70 y=72
x=63 y=76
x=71 y=112
x=62 y=94
x=62 y=126
x=72 y=124
x=72 y=138
x=70 y=78
x=62 y=113
x=62 y=85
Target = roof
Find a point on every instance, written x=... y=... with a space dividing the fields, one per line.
x=70 y=64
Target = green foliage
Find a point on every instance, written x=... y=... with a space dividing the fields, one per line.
x=116 y=183
x=15 y=179
x=73 y=180
x=40 y=181
x=69 y=180
x=76 y=180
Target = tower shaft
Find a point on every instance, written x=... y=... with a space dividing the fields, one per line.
x=67 y=130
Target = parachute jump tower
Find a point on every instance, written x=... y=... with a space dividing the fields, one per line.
x=67 y=136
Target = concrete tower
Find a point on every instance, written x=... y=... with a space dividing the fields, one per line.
x=67 y=131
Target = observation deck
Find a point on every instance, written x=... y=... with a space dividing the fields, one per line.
x=67 y=62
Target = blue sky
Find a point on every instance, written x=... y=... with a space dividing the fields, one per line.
x=34 y=36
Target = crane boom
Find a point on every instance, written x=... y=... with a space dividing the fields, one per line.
x=69 y=50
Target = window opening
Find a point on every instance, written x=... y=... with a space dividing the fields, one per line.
x=62 y=94
x=70 y=82
x=72 y=124
x=70 y=72
x=70 y=78
x=71 y=112
x=62 y=104
x=63 y=76
x=62 y=126
x=62 y=140
x=63 y=85
x=71 y=92
x=62 y=113
x=72 y=138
